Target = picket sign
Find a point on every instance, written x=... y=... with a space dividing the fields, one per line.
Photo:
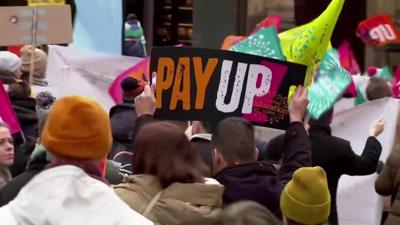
x=208 y=84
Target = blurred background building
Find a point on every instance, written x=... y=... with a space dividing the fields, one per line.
x=205 y=23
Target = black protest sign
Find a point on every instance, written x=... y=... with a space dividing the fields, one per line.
x=209 y=85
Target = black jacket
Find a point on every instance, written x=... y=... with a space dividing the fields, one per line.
x=122 y=118
x=25 y=109
x=260 y=181
x=202 y=145
x=336 y=157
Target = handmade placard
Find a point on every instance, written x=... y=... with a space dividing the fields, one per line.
x=39 y=25
x=45 y=2
x=378 y=30
x=208 y=84
x=332 y=81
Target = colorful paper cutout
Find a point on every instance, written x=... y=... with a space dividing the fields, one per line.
x=308 y=43
x=332 y=81
x=264 y=43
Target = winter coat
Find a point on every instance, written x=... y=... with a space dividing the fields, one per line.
x=66 y=195
x=123 y=118
x=178 y=204
x=11 y=190
x=25 y=108
x=5 y=176
x=388 y=183
x=336 y=157
x=260 y=181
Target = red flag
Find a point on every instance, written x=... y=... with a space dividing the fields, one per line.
x=378 y=30
x=7 y=113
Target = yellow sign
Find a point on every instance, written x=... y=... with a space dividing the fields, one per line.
x=45 y=2
x=308 y=43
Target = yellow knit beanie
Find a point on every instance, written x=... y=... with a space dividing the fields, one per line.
x=77 y=127
x=306 y=199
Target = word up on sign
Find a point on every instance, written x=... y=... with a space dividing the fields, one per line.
x=205 y=84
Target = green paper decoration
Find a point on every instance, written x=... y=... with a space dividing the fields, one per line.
x=332 y=81
x=264 y=42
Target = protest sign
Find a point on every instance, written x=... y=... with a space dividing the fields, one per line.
x=332 y=81
x=207 y=84
x=45 y=2
x=378 y=30
x=231 y=40
x=384 y=73
x=35 y=25
x=308 y=43
x=7 y=113
x=264 y=43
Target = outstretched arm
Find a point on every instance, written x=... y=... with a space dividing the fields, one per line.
x=297 y=147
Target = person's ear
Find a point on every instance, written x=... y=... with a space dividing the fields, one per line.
x=256 y=153
x=217 y=156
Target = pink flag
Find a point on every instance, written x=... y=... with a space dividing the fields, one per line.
x=139 y=71
x=347 y=59
x=349 y=63
x=7 y=113
x=396 y=83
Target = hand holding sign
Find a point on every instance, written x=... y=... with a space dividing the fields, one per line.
x=145 y=104
x=298 y=105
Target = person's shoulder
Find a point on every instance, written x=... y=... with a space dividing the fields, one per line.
x=123 y=107
x=7 y=217
x=332 y=141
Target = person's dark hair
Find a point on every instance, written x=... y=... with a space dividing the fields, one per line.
x=234 y=138
x=163 y=150
x=208 y=126
x=377 y=88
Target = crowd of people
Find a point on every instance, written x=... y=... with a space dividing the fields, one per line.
x=74 y=163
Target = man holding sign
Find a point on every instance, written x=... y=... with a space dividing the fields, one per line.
x=200 y=84
x=236 y=156
x=242 y=175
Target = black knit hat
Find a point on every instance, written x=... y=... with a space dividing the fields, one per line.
x=129 y=84
x=131 y=88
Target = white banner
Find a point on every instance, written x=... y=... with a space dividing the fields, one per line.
x=357 y=201
x=72 y=71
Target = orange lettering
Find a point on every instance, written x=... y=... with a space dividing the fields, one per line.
x=164 y=78
x=202 y=78
x=178 y=93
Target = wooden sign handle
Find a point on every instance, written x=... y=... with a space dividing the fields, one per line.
x=33 y=43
